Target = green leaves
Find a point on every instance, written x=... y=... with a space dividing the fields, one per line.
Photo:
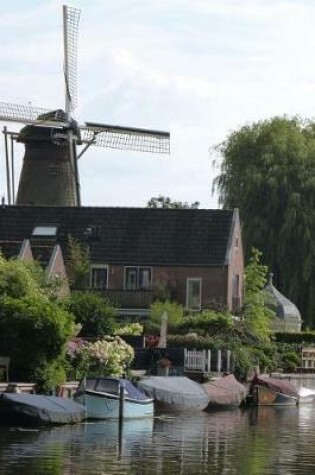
x=166 y=203
x=93 y=312
x=33 y=332
x=257 y=315
x=268 y=171
x=174 y=312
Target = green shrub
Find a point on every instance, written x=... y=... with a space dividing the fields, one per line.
x=33 y=332
x=298 y=338
x=129 y=329
x=94 y=313
x=174 y=312
x=207 y=323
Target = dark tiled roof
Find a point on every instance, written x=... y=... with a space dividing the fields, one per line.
x=10 y=249
x=130 y=235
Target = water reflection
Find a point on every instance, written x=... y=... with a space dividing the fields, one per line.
x=257 y=441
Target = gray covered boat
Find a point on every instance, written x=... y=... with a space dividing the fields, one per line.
x=36 y=409
x=175 y=393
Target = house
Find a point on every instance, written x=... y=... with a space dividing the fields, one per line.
x=138 y=255
x=49 y=257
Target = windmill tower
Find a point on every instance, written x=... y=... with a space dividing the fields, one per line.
x=49 y=174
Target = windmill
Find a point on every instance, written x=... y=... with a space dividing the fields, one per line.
x=49 y=174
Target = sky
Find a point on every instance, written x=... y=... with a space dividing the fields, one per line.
x=199 y=69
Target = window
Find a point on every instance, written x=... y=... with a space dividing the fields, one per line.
x=48 y=231
x=138 y=278
x=99 y=276
x=193 y=295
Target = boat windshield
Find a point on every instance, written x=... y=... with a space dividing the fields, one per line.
x=105 y=385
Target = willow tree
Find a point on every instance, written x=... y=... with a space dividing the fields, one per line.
x=267 y=170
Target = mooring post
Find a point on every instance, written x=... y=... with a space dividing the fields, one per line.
x=121 y=403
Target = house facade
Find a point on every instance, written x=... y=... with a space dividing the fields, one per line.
x=139 y=255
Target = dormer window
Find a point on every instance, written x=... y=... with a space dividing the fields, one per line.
x=44 y=231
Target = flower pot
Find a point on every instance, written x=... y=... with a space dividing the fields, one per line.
x=162 y=371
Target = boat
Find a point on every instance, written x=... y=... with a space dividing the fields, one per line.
x=175 y=393
x=112 y=398
x=265 y=391
x=224 y=392
x=306 y=395
x=36 y=409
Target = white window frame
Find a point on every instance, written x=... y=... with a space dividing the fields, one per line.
x=138 y=276
x=99 y=266
x=188 y=280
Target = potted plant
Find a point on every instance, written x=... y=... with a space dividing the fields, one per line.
x=163 y=366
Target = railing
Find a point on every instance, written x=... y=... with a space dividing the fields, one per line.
x=197 y=361
x=205 y=361
x=129 y=298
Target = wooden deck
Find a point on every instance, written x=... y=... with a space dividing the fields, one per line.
x=13 y=387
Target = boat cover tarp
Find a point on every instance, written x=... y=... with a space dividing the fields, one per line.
x=175 y=390
x=45 y=409
x=225 y=391
x=132 y=392
x=277 y=385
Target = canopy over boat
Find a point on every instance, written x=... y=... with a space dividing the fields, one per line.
x=276 y=385
x=177 y=391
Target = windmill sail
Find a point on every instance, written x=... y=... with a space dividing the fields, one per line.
x=71 y=18
x=126 y=138
x=19 y=113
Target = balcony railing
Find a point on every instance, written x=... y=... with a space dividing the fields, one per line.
x=129 y=298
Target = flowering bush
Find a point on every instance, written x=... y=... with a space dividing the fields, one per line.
x=108 y=357
x=131 y=329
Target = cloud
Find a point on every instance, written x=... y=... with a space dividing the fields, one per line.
x=197 y=67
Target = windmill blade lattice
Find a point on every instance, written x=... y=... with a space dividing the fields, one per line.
x=126 y=138
x=71 y=18
x=17 y=113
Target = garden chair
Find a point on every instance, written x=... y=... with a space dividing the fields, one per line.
x=4 y=366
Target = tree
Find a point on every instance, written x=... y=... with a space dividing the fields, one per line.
x=268 y=171
x=78 y=264
x=257 y=316
x=34 y=329
x=165 y=202
x=94 y=313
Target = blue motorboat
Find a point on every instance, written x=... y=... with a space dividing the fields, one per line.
x=111 y=398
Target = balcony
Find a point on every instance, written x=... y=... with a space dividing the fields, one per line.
x=129 y=298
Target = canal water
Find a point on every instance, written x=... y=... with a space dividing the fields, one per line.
x=256 y=441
